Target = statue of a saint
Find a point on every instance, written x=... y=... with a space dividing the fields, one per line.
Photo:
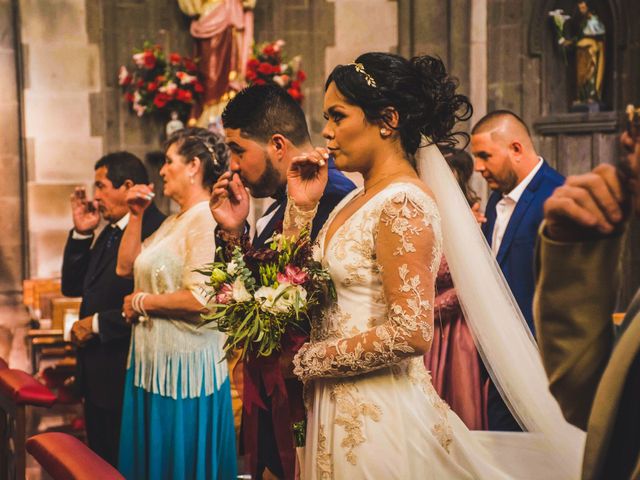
x=586 y=33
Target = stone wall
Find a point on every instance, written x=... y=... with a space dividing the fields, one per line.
x=73 y=109
x=61 y=69
x=12 y=243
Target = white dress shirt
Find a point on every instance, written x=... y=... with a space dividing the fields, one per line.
x=506 y=206
x=121 y=224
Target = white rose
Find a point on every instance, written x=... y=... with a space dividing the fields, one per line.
x=278 y=80
x=239 y=291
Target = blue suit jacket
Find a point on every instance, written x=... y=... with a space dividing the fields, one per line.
x=516 y=250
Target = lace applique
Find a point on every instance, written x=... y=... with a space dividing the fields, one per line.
x=296 y=218
x=323 y=457
x=351 y=411
x=332 y=325
x=407 y=239
x=356 y=253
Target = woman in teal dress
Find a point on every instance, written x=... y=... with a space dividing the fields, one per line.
x=177 y=419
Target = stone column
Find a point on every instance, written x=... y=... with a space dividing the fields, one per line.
x=61 y=69
x=11 y=207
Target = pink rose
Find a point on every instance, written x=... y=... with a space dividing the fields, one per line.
x=293 y=275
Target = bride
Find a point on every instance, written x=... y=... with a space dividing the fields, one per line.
x=372 y=410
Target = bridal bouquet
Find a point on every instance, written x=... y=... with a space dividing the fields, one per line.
x=258 y=294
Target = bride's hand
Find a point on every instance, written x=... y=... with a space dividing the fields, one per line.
x=307 y=177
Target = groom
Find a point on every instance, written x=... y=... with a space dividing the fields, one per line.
x=265 y=128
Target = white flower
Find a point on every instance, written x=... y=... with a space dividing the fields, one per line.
x=278 y=79
x=281 y=299
x=316 y=254
x=295 y=63
x=232 y=268
x=139 y=109
x=240 y=293
x=123 y=73
x=186 y=79
x=139 y=59
x=171 y=88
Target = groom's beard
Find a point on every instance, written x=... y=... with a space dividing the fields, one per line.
x=268 y=183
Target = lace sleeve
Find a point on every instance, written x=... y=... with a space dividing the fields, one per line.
x=296 y=219
x=408 y=254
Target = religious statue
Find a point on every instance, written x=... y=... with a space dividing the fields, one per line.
x=174 y=124
x=584 y=33
x=223 y=30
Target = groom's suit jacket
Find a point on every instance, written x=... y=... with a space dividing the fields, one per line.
x=267 y=433
x=90 y=272
x=515 y=255
x=595 y=380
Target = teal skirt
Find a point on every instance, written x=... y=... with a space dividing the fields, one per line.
x=189 y=438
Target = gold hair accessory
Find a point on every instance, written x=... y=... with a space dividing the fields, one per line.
x=369 y=79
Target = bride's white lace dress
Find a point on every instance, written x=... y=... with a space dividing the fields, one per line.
x=372 y=410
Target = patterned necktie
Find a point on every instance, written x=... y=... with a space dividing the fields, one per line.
x=113 y=237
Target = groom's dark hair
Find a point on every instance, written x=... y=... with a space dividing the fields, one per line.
x=261 y=111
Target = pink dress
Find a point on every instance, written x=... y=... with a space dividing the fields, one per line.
x=453 y=359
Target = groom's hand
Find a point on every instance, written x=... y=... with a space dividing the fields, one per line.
x=229 y=203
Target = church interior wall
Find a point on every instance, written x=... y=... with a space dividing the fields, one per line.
x=11 y=184
x=74 y=112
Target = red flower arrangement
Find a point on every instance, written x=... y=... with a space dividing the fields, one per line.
x=159 y=85
x=267 y=65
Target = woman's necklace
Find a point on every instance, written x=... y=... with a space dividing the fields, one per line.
x=367 y=189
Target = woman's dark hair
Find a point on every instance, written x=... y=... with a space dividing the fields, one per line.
x=461 y=164
x=420 y=90
x=208 y=146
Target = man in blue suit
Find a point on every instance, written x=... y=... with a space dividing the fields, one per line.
x=265 y=128
x=521 y=182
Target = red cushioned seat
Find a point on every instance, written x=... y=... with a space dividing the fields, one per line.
x=66 y=458
x=23 y=389
x=3 y=364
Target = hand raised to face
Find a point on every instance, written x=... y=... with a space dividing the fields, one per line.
x=229 y=203
x=84 y=212
x=307 y=177
x=139 y=197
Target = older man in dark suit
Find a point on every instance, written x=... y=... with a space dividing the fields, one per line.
x=595 y=379
x=89 y=270
x=265 y=129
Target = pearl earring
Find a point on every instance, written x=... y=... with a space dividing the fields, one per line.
x=384 y=132
x=191 y=180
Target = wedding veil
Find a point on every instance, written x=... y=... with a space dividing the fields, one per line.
x=500 y=332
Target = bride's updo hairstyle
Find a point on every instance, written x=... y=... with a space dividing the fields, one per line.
x=420 y=90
